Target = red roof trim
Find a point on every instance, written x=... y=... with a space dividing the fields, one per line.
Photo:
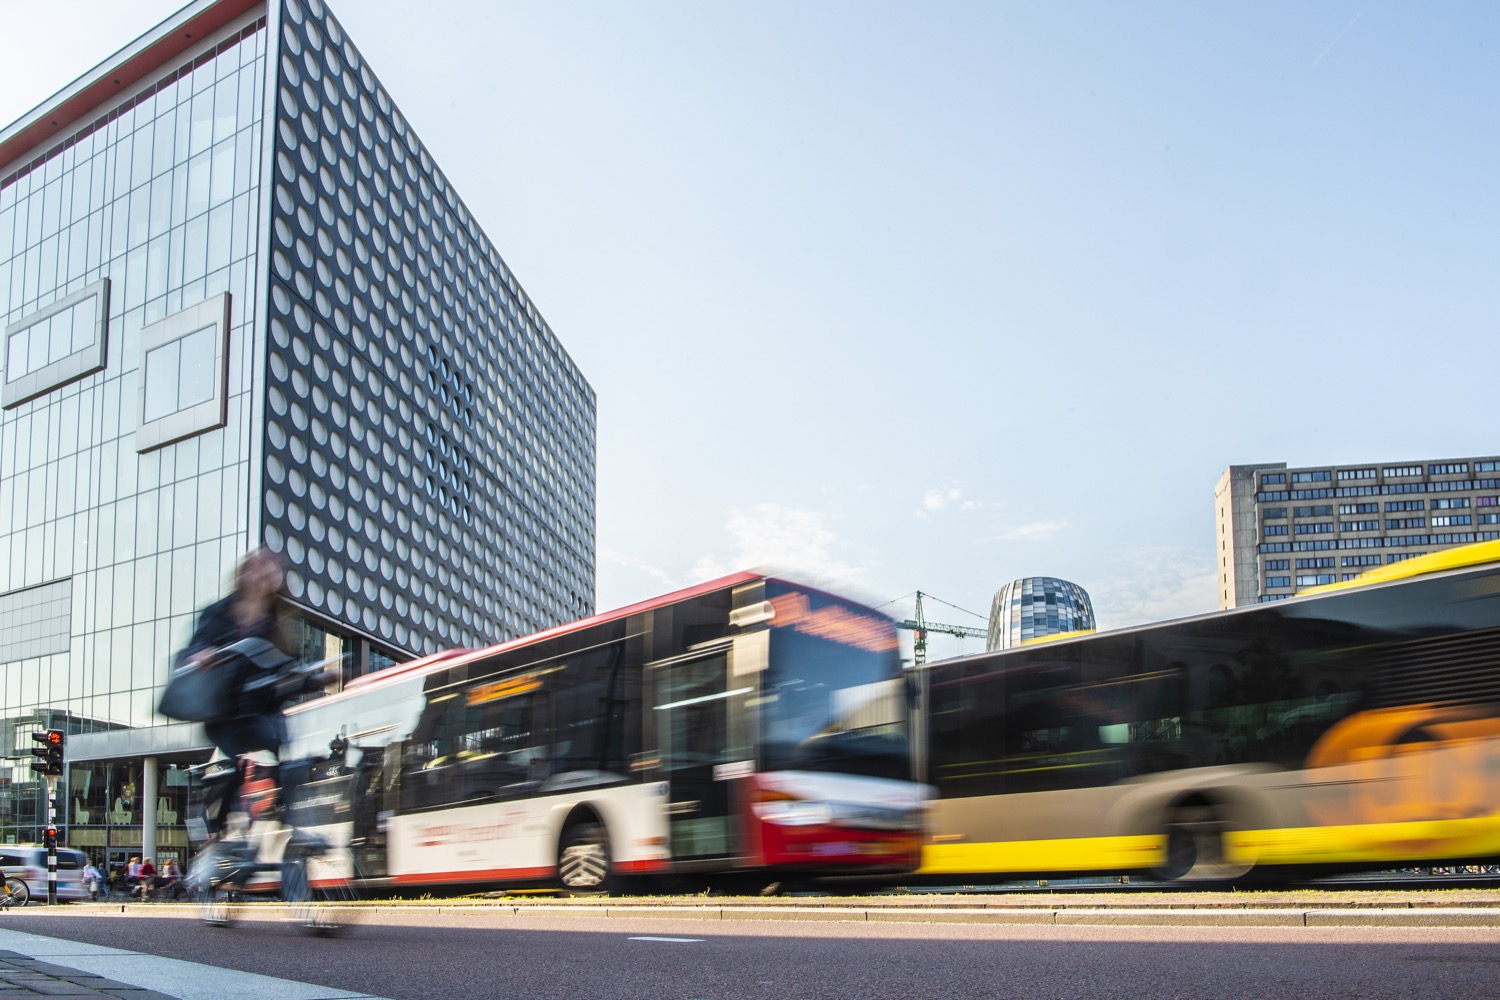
x=443 y=660
x=52 y=121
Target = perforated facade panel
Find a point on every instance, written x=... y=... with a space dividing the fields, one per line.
x=429 y=451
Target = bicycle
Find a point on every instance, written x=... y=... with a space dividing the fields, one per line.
x=16 y=893
x=313 y=877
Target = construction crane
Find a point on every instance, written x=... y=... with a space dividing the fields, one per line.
x=920 y=626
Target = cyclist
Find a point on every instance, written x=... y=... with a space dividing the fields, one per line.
x=256 y=726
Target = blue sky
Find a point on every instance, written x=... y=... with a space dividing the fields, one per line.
x=930 y=296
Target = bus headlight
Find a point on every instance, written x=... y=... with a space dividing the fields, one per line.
x=794 y=812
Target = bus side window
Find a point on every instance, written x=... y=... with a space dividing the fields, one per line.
x=967 y=720
x=594 y=698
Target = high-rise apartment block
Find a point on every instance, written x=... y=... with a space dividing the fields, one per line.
x=1281 y=530
x=241 y=305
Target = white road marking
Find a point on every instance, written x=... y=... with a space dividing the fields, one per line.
x=670 y=939
x=169 y=976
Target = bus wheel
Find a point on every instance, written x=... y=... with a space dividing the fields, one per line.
x=583 y=860
x=1195 y=847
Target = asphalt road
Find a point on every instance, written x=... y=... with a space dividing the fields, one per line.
x=456 y=955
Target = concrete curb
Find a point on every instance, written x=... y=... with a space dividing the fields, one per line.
x=1147 y=917
x=1396 y=914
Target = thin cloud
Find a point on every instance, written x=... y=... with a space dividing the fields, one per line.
x=636 y=565
x=1162 y=584
x=1335 y=41
x=786 y=538
x=1035 y=531
x=943 y=497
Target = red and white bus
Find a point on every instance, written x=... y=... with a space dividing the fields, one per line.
x=747 y=726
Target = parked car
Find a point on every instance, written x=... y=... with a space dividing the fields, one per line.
x=28 y=862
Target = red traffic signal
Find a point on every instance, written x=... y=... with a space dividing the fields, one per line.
x=50 y=752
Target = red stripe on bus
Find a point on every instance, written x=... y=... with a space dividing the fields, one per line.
x=453 y=657
x=416 y=878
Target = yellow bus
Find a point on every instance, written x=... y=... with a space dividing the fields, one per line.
x=1357 y=728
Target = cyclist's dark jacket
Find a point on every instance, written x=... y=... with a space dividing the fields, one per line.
x=258 y=724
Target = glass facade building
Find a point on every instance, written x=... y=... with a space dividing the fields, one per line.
x=1037 y=606
x=240 y=304
x=1282 y=530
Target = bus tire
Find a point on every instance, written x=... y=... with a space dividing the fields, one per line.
x=583 y=865
x=1195 y=846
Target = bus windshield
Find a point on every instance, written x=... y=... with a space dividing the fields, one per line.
x=833 y=697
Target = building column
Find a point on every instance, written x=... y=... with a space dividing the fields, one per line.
x=148 y=808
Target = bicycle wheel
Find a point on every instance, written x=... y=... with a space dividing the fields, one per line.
x=16 y=892
x=216 y=902
x=320 y=898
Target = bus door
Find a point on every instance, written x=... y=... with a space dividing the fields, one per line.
x=697 y=714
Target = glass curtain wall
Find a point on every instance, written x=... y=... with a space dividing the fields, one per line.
x=161 y=197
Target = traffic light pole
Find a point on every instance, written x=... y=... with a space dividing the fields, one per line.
x=51 y=841
x=50 y=766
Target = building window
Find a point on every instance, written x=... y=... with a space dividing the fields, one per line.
x=1450 y=503
x=1274 y=529
x=1403 y=541
x=1278 y=581
x=1448 y=469
x=1275 y=513
x=1311 y=477
x=1359 y=508
x=56 y=345
x=1273 y=564
x=1403 y=470
x=1321 y=562
x=1361 y=561
x=1272 y=479
x=1448 y=520
x=184 y=362
x=1396 y=505
x=1325 y=510
x=1356 y=473
x=1314 y=528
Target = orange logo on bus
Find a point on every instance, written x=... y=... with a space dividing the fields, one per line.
x=508 y=688
x=875 y=635
x=1417 y=762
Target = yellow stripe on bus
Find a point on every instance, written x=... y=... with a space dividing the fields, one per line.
x=1458 y=557
x=1073 y=854
x=1356 y=844
x=1472 y=837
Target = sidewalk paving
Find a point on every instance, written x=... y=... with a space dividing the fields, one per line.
x=24 y=976
x=36 y=965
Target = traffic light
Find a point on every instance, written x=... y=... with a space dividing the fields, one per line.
x=50 y=752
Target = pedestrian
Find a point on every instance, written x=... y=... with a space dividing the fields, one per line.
x=133 y=876
x=146 y=881
x=171 y=877
x=93 y=881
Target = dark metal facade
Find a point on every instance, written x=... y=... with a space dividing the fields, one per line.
x=429 y=445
